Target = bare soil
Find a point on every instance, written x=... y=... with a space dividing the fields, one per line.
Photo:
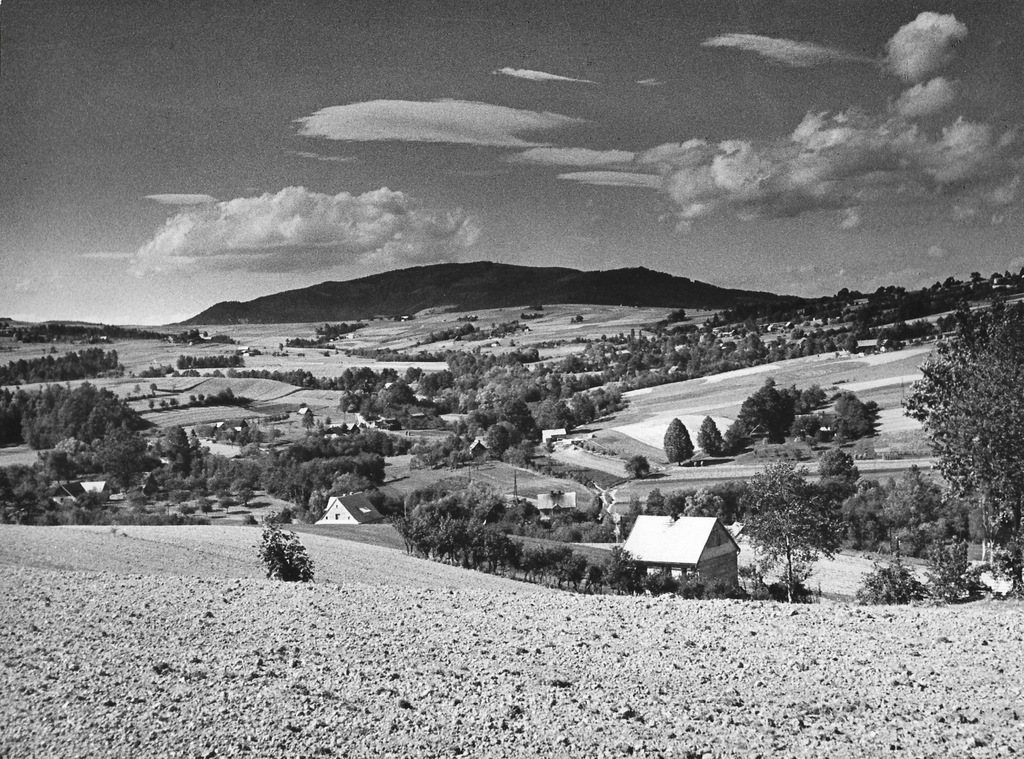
x=167 y=642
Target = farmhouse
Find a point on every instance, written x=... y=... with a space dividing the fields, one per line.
x=354 y=508
x=685 y=546
x=555 y=500
x=72 y=491
x=478 y=448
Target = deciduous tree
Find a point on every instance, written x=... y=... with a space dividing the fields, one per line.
x=971 y=401
x=788 y=522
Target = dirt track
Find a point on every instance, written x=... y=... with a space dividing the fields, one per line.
x=128 y=664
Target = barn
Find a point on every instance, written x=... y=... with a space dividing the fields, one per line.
x=685 y=546
x=354 y=508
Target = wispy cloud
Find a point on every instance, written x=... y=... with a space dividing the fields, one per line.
x=573 y=157
x=923 y=46
x=300 y=229
x=181 y=199
x=539 y=76
x=446 y=121
x=615 y=179
x=650 y=82
x=789 y=52
x=318 y=157
x=107 y=255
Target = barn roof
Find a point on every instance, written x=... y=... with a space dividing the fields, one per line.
x=662 y=540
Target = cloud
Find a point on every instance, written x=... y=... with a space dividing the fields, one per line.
x=28 y=285
x=539 y=76
x=448 y=121
x=182 y=199
x=923 y=46
x=614 y=179
x=837 y=162
x=937 y=251
x=789 y=52
x=851 y=218
x=650 y=82
x=574 y=157
x=300 y=229
x=926 y=99
x=318 y=157
x=107 y=255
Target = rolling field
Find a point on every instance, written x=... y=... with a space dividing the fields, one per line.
x=168 y=642
x=884 y=378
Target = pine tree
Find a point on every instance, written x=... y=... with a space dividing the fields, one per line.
x=678 y=446
x=709 y=438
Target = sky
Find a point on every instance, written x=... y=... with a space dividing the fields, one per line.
x=160 y=156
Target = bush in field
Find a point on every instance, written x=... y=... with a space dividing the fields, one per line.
x=950 y=575
x=893 y=584
x=284 y=556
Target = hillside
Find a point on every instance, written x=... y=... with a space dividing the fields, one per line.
x=467 y=286
x=123 y=661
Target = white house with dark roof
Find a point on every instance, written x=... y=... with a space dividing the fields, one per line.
x=354 y=508
x=688 y=545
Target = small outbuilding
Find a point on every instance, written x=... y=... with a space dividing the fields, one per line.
x=550 y=436
x=700 y=546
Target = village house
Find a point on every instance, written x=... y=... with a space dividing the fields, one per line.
x=354 y=508
x=556 y=500
x=478 y=448
x=70 y=493
x=687 y=546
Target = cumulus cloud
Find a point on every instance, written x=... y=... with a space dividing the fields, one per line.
x=297 y=228
x=614 y=179
x=836 y=162
x=926 y=98
x=923 y=46
x=173 y=199
x=789 y=52
x=448 y=121
x=573 y=157
x=539 y=76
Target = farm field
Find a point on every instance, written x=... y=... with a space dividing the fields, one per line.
x=161 y=641
x=883 y=378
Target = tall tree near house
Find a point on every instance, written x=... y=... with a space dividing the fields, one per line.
x=678 y=446
x=788 y=522
x=709 y=438
x=971 y=400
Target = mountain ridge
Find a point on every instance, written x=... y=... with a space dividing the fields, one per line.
x=475 y=285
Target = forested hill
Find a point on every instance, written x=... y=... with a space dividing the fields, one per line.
x=467 y=286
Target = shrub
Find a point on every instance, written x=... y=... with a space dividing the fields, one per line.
x=950 y=575
x=284 y=556
x=249 y=519
x=893 y=584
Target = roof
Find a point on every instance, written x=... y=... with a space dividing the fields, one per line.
x=556 y=499
x=357 y=505
x=662 y=540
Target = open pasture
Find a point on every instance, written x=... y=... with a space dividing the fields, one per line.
x=885 y=379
